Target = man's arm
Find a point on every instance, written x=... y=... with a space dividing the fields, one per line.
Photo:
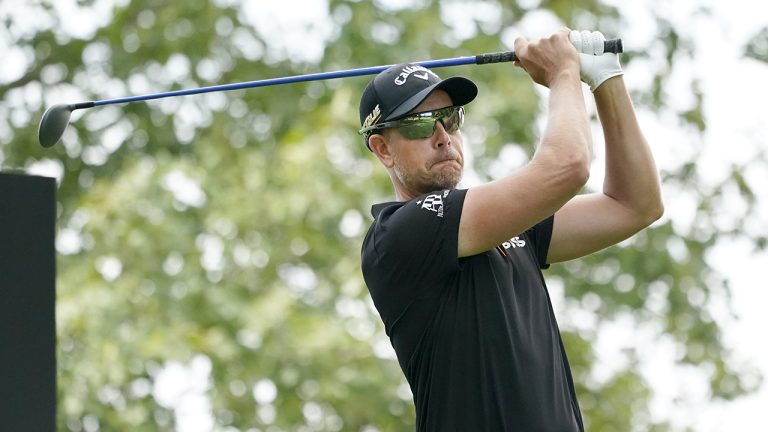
x=631 y=196
x=496 y=211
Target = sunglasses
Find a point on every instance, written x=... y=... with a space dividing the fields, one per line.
x=422 y=125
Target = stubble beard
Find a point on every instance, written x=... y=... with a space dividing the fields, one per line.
x=444 y=179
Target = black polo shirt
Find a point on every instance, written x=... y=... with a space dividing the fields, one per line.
x=476 y=337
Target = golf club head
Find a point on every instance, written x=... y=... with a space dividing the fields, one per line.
x=52 y=125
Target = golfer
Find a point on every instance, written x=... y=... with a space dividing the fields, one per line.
x=456 y=273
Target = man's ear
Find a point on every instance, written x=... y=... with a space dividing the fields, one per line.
x=381 y=147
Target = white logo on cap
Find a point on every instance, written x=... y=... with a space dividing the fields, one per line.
x=411 y=70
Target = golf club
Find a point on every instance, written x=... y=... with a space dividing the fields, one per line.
x=56 y=118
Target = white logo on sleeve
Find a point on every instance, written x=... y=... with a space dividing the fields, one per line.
x=433 y=203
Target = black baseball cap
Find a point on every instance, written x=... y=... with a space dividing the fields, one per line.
x=396 y=91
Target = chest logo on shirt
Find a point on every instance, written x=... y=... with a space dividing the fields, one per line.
x=433 y=203
x=514 y=242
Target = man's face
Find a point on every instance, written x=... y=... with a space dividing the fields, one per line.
x=427 y=164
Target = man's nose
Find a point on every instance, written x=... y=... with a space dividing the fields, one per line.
x=441 y=136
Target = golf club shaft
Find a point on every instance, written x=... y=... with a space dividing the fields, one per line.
x=614 y=46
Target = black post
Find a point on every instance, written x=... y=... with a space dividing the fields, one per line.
x=27 y=303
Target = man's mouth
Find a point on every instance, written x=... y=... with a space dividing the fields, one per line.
x=446 y=161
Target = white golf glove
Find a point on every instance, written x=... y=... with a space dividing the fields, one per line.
x=596 y=65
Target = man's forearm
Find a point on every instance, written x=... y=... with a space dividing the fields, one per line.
x=567 y=139
x=631 y=176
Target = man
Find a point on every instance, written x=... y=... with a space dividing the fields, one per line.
x=455 y=273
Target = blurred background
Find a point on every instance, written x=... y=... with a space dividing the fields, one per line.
x=208 y=246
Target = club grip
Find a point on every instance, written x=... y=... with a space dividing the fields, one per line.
x=613 y=46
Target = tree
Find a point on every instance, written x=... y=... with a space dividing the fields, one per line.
x=219 y=235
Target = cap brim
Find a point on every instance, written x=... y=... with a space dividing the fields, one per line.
x=461 y=91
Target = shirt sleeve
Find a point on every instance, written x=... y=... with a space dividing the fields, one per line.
x=415 y=245
x=541 y=235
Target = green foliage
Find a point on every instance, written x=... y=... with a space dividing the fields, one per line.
x=757 y=47
x=228 y=226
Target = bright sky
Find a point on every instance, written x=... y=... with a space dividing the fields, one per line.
x=736 y=132
x=735 y=108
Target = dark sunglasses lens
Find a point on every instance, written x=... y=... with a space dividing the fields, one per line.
x=453 y=121
x=422 y=128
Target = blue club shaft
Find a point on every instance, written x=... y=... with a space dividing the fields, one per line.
x=286 y=80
